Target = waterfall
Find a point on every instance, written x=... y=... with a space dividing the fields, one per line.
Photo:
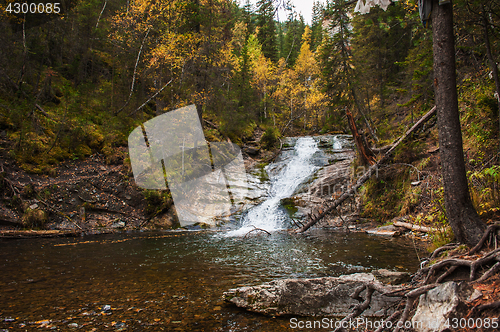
x=336 y=144
x=269 y=215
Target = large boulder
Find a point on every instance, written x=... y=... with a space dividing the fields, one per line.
x=327 y=296
x=439 y=308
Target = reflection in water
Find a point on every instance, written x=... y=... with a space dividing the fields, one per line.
x=172 y=280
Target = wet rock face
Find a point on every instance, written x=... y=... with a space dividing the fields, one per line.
x=327 y=296
x=333 y=177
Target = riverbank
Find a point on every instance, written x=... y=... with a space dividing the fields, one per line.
x=99 y=196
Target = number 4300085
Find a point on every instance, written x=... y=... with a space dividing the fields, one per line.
x=33 y=8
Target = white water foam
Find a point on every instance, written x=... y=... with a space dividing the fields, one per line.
x=268 y=215
x=336 y=144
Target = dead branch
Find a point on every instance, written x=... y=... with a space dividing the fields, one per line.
x=292 y=119
x=135 y=72
x=13 y=188
x=56 y=211
x=44 y=113
x=315 y=218
x=102 y=11
x=382 y=149
x=256 y=229
x=147 y=101
x=277 y=152
x=297 y=222
x=87 y=200
x=371 y=170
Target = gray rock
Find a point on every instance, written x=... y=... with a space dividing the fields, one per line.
x=382 y=232
x=391 y=228
x=119 y=224
x=391 y=277
x=327 y=296
x=251 y=150
x=440 y=305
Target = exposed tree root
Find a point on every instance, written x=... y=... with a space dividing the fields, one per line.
x=439 y=271
x=489 y=233
x=449 y=246
x=411 y=297
x=391 y=318
x=361 y=307
x=483 y=307
x=473 y=265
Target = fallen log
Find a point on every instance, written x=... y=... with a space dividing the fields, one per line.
x=28 y=234
x=413 y=227
x=371 y=170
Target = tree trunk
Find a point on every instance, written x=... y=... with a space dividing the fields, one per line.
x=365 y=154
x=463 y=218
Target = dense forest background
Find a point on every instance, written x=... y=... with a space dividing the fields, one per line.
x=76 y=83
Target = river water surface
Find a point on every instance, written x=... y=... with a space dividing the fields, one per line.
x=173 y=281
x=170 y=281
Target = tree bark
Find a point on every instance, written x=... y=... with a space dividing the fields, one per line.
x=463 y=218
x=366 y=155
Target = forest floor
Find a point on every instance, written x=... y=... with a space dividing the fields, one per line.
x=81 y=196
x=90 y=196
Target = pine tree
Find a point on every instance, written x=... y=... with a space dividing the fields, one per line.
x=267 y=29
x=294 y=28
x=317 y=25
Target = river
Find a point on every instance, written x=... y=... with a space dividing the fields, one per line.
x=173 y=280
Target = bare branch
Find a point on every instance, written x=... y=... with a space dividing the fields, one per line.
x=135 y=72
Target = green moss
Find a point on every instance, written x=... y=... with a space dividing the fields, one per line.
x=270 y=138
x=260 y=171
x=157 y=201
x=289 y=205
x=35 y=218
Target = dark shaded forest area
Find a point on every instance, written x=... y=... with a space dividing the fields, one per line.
x=74 y=84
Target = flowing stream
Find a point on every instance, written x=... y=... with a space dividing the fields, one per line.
x=269 y=215
x=173 y=280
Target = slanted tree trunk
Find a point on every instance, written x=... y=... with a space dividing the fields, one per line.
x=463 y=218
x=365 y=153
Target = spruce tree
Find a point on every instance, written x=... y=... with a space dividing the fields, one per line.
x=267 y=29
